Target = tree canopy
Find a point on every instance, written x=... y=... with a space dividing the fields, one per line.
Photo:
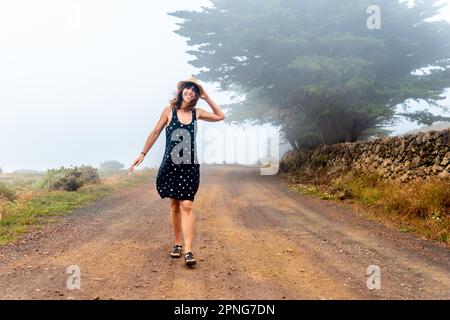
x=316 y=69
x=111 y=165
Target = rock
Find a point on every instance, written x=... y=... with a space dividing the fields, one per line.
x=437 y=160
x=446 y=160
x=59 y=293
x=420 y=172
x=444 y=174
x=416 y=161
x=407 y=164
x=436 y=169
x=408 y=157
x=386 y=162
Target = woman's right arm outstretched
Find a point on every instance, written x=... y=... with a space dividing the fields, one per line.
x=152 y=137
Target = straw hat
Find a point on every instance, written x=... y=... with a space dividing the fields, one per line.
x=194 y=80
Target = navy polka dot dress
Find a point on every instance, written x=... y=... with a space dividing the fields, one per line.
x=179 y=173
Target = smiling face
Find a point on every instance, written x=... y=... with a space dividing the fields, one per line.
x=190 y=93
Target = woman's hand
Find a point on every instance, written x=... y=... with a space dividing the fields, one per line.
x=136 y=163
x=204 y=96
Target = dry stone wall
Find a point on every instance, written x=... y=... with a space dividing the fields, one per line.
x=413 y=156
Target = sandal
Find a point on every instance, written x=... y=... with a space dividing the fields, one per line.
x=176 y=251
x=189 y=259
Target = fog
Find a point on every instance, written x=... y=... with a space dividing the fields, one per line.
x=82 y=82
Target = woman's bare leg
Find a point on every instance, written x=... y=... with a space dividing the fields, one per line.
x=187 y=221
x=175 y=220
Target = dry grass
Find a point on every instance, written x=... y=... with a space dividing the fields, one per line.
x=418 y=206
x=2 y=209
x=32 y=206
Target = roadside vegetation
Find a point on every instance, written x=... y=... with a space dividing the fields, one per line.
x=33 y=199
x=421 y=207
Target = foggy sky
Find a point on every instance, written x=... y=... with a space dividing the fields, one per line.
x=82 y=82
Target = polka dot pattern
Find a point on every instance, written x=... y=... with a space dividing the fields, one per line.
x=179 y=181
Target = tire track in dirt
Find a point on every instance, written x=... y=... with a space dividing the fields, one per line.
x=330 y=236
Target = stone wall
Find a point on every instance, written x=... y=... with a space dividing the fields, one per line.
x=412 y=156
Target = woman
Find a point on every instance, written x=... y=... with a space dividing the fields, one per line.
x=178 y=176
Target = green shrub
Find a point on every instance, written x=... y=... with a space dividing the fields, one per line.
x=6 y=193
x=66 y=179
x=89 y=174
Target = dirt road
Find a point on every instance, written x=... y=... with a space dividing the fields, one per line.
x=255 y=239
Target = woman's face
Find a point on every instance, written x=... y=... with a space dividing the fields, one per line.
x=189 y=94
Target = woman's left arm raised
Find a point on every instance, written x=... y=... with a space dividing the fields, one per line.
x=216 y=115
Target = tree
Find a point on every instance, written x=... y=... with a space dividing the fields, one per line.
x=315 y=69
x=111 y=165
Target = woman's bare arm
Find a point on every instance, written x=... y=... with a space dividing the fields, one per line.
x=154 y=134
x=217 y=113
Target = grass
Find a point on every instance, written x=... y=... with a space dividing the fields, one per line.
x=21 y=181
x=35 y=207
x=421 y=207
x=311 y=190
x=366 y=188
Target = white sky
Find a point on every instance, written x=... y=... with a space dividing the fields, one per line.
x=85 y=81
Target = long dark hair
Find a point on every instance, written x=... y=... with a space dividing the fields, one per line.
x=175 y=103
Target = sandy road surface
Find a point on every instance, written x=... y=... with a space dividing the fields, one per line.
x=255 y=239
